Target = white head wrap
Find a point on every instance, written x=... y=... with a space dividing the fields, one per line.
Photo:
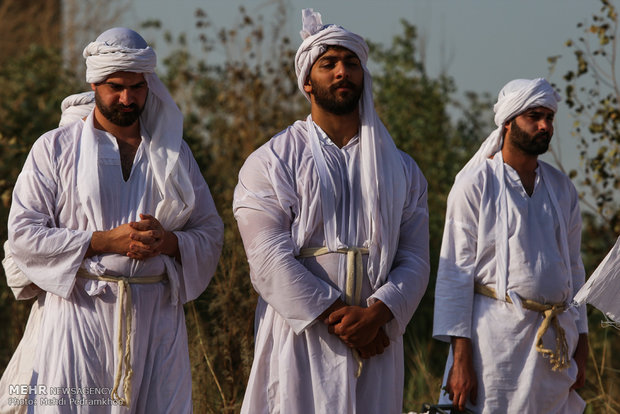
x=124 y=50
x=383 y=179
x=77 y=106
x=516 y=97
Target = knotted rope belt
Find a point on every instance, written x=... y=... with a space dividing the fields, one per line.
x=559 y=358
x=124 y=308
x=353 y=284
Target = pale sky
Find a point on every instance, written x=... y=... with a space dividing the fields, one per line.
x=482 y=44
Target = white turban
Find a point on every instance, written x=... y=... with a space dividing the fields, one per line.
x=76 y=106
x=124 y=50
x=383 y=179
x=516 y=97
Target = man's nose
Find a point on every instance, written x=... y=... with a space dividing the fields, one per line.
x=545 y=124
x=341 y=71
x=126 y=97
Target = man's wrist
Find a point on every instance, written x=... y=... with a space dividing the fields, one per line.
x=97 y=244
x=381 y=313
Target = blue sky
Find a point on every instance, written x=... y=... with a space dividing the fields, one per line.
x=482 y=44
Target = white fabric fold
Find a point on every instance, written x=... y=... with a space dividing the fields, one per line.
x=602 y=289
x=118 y=50
x=516 y=97
x=77 y=106
x=382 y=181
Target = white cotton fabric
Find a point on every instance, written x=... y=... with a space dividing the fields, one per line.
x=512 y=376
x=118 y=50
x=382 y=182
x=19 y=369
x=76 y=107
x=516 y=97
x=603 y=287
x=298 y=366
x=50 y=228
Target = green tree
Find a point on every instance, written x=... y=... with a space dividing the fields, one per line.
x=234 y=105
x=32 y=85
x=592 y=93
x=440 y=133
x=231 y=106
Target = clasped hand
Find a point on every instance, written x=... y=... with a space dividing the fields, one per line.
x=138 y=239
x=358 y=328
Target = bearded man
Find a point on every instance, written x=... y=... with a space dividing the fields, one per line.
x=113 y=220
x=334 y=222
x=510 y=265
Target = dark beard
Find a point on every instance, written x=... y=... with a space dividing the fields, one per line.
x=115 y=115
x=327 y=99
x=530 y=144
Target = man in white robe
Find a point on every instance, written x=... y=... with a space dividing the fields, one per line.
x=19 y=369
x=334 y=222
x=112 y=219
x=511 y=250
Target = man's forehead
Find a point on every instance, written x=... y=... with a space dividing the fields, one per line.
x=538 y=109
x=335 y=50
x=126 y=78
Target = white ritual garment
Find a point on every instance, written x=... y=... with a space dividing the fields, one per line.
x=298 y=366
x=603 y=287
x=512 y=376
x=49 y=235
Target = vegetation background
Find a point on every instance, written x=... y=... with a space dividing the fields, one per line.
x=234 y=104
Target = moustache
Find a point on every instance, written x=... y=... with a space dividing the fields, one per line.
x=343 y=84
x=544 y=135
x=130 y=106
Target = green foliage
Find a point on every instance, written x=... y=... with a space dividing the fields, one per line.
x=592 y=93
x=415 y=108
x=237 y=91
x=232 y=106
x=32 y=85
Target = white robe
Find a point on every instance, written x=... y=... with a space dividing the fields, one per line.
x=298 y=366
x=49 y=235
x=512 y=376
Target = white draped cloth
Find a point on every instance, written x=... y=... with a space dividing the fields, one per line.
x=524 y=247
x=382 y=183
x=76 y=107
x=71 y=186
x=512 y=376
x=49 y=234
x=298 y=366
x=602 y=289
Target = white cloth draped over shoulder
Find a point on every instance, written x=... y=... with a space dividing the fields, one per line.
x=118 y=50
x=76 y=107
x=301 y=191
x=524 y=247
x=382 y=180
x=72 y=185
x=515 y=97
x=299 y=366
x=602 y=289
x=49 y=232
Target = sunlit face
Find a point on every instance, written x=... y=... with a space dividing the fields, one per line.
x=531 y=131
x=121 y=97
x=336 y=81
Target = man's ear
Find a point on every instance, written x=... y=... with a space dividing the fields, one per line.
x=308 y=85
x=93 y=86
x=506 y=128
